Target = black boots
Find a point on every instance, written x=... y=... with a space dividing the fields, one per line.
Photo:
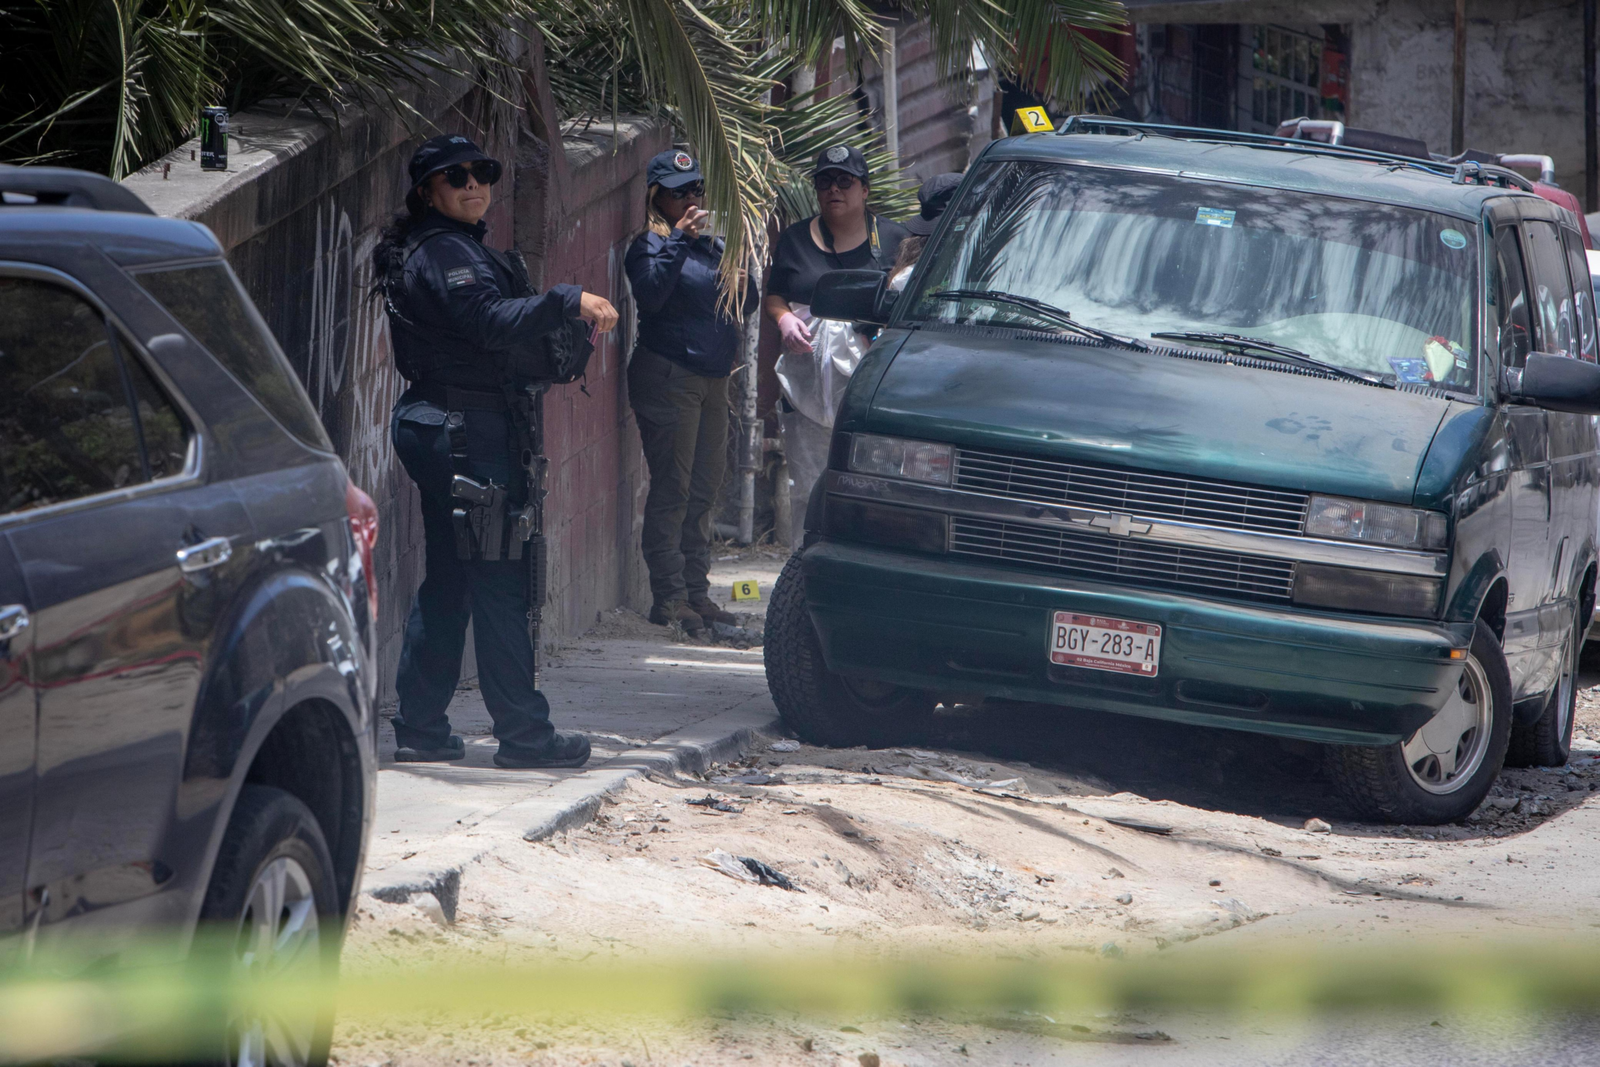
x=452 y=749
x=562 y=750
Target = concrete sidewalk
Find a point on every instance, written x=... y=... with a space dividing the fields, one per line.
x=648 y=703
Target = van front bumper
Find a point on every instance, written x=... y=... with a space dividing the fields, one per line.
x=965 y=628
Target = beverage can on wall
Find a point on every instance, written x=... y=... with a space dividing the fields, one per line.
x=213 y=138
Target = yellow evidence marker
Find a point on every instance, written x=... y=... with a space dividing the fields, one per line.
x=1031 y=120
x=746 y=590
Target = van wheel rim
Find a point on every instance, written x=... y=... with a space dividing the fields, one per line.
x=1447 y=751
x=279 y=940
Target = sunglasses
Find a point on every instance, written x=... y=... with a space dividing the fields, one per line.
x=486 y=171
x=684 y=192
x=834 y=179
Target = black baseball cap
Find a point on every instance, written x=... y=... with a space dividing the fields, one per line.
x=842 y=157
x=673 y=169
x=446 y=150
x=935 y=195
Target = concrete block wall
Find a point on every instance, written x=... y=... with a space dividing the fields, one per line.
x=597 y=478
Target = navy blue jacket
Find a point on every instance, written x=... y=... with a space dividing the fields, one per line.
x=674 y=283
x=461 y=308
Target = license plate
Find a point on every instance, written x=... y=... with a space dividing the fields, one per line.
x=1101 y=644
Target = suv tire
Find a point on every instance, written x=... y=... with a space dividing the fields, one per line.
x=1547 y=741
x=821 y=707
x=1386 y=783
x=272 y=895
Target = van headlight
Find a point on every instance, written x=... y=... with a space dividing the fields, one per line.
x=895 y=457
x=1376 y=524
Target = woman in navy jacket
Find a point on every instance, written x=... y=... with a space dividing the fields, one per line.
x=678 y=387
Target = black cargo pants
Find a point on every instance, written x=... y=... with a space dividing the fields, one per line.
x=683 y=425
x=493 y=595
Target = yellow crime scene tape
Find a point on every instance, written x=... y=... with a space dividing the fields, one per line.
x=154 y=1011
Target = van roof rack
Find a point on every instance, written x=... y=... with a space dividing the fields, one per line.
x=63 y=187
x=1464 y=173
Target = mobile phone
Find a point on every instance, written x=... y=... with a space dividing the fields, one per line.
x=594 y=332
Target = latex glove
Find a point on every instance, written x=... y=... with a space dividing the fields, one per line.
x=796 y=338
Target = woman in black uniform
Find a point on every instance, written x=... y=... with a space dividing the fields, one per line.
x=819 y=357
x=678 y=387
x=456 y=309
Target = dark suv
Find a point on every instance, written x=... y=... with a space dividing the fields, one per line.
x=1224 y=430
x=186 y=605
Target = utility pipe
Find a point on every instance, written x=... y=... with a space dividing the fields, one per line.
x=1591 y=113
x=1458 y=88
x=749 y=450
x=891 y=97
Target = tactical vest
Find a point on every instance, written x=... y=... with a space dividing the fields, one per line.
x=559 y=357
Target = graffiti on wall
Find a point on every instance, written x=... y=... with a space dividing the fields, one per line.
x=348 y=373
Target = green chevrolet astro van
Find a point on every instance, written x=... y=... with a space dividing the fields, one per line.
x=1219 y=429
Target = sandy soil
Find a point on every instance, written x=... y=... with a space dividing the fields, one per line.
x=1017 y=832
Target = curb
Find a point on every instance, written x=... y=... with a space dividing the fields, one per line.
x=569 y=803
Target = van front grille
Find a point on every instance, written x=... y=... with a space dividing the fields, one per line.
x=1103 y=556
x=1127 y=492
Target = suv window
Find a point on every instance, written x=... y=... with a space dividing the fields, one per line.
x=67 y=428
x=208 y=302
x=1583 y=290
x=1555 y=322
x=1511 y=298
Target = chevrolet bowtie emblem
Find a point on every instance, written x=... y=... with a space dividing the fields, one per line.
x=1119 y=525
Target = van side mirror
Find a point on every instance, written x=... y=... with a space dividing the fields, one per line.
x=851 y=296
x=1560 y=383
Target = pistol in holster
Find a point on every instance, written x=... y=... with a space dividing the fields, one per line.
x=480 y=521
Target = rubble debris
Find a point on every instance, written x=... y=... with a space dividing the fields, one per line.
x=713 y=804
x=1142 y=827
x=747 y=869
x=1124 y=898
x=746 y=779
x=1318 y=826
x=785 y=746
x=868 y=1059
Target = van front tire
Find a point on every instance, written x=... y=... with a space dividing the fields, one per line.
x=821 y=707
x=1442 y=772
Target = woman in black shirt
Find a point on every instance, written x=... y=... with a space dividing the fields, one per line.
x=818 y=356
x=678 y=387
x=842 y=236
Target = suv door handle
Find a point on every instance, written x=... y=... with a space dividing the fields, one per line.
x=207 y=554
x=13 y=620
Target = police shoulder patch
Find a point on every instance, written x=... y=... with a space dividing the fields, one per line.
x=456 y=277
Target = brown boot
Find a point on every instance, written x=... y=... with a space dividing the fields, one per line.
x=677 y=611
x=708 y=610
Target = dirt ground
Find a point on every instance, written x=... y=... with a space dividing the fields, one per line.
x=1125 y=838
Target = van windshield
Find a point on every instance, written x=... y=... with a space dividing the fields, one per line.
x=1374 y=288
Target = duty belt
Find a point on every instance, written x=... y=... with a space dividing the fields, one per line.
x=459 y=398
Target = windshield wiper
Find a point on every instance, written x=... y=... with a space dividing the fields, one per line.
x=1238 y=342
x=1043 y=311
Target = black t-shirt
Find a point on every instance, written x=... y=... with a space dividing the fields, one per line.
x=797 y=262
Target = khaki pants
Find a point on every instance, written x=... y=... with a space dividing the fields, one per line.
x=683 y=425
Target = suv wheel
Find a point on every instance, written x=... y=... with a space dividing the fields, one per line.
x=271 y=904
x=1442 y=772
x=821 y=707
x=1547 y=741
